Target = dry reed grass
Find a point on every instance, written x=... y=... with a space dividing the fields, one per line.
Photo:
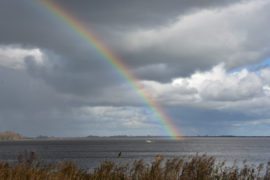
x=198 y=167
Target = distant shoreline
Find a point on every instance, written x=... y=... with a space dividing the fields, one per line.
x=128 y=137
x=11 y=136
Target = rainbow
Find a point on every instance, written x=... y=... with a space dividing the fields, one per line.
x=89 y=37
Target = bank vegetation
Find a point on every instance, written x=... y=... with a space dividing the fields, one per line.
x=198 y=167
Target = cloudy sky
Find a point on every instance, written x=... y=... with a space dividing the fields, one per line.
x=206 y=62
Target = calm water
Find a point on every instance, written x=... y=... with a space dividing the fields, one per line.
x=89 y=153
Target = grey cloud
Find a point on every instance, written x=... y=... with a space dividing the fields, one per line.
x=26 y=105
x=201 y=40
x=61 y=74
x=217 y=122
x=22 y=23
x=126 y=14
x=260 y=67
x=21 y=93
x=59 y=96
x=30 y=107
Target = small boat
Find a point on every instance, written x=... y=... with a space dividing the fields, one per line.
x=148 y=141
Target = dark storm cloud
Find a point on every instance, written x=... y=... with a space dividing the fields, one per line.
x=19 y=92
x=22 y=23
x=215 y=122
x=73 y=91
x=30 y=107
x=132 y=14
x=61 y=74
x=201 y=40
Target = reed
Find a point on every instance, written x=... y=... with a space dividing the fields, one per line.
x=197 y=167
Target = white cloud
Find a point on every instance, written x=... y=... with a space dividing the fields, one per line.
x=106 y=117
x=13 y=57
x=265 y=74
x=213 y=89
x=253 y=123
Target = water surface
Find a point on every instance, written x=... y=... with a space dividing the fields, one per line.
x=89 y=153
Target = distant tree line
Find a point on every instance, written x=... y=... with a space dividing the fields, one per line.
x=10 y=136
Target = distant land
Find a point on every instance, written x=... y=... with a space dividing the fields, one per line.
x=11 y=136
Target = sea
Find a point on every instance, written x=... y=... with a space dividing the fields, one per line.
x=91 y=153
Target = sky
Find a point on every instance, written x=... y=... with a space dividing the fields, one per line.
x=205 y=62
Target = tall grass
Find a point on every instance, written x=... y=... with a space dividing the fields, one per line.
x=197 y=167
